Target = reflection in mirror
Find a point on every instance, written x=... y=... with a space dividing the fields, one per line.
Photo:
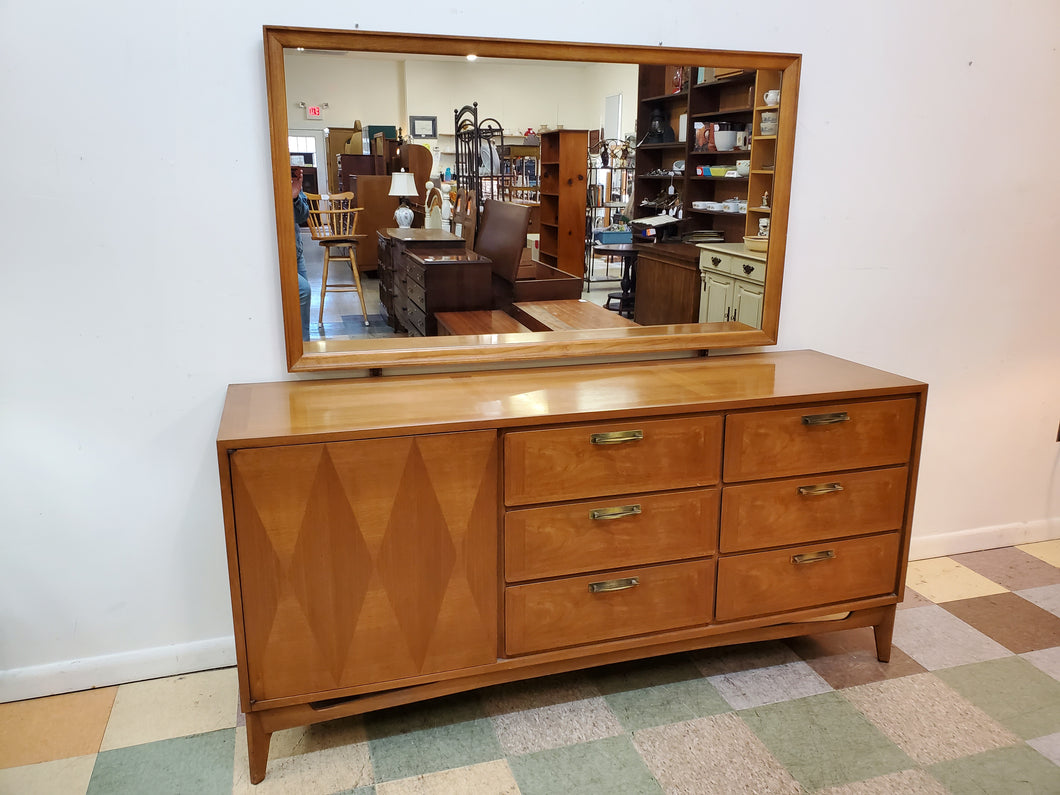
x=625 y=199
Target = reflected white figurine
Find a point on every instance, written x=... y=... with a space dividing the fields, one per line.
x=433 y=211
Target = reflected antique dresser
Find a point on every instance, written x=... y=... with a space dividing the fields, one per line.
x=397 y=539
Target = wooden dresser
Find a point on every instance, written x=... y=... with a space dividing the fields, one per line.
x=397 y=539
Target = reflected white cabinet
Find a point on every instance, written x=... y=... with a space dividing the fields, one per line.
x=732 y=281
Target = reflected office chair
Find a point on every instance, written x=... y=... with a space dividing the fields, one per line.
x=333 y=224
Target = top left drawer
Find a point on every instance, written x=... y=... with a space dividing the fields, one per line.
x=612 y=458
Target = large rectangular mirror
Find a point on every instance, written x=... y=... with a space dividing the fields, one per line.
x=642 y=124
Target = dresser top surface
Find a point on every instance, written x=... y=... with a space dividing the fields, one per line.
x=323 y=410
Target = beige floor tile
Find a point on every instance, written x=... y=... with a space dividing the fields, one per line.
x=65 y=776
x=719 y=754
x=56 y=727
x=489 y=778
x=928 y=720
x=945 y=580
x=161 y=709
x=907 y=781
x=1049 y=551
x=308 y=760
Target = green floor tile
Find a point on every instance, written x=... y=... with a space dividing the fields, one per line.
x=1011 y=691
x=824 y=741
x=1017 y=769
x=199 y=764
x=664 y=704
x=657 y=692
x=611 y=765
x=432 y=749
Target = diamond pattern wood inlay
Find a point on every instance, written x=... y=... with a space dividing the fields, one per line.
x=370 y=560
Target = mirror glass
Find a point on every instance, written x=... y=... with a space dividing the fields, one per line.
x=683 y=156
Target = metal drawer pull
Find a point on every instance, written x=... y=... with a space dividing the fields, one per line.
x=825 y=419
x=813 y=557
x=614 y=513
x=820 y=488
x=616 y=437
x=613 y=585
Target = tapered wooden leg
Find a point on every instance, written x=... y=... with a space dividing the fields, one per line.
x=357 y=281
x=257 y=748
x=883 y=633
x=324 y=283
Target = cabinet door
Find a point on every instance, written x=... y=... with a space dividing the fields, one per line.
x=667 y=291
x=747 y=303
x=366 y=561
x=716 y=299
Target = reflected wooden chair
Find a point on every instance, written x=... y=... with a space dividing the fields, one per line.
x=333 y=224
x=463 y=217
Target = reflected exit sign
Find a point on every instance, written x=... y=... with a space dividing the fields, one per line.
x=314 y=112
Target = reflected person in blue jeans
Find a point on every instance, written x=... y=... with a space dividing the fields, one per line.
x=301 y=214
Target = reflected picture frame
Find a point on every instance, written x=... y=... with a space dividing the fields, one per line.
x=423 y=126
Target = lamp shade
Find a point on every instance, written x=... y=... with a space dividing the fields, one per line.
x=403 y=184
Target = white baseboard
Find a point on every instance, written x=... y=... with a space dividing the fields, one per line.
x=116 y=669
x=936 y=546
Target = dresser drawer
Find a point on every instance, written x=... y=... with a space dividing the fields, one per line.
x=415 y=272
x=577 y=610
x=416 y=294
x=608 y=533
x=614 y=458
x=415 y=320
x=761 y=583
x=769 y=444
x=812 y=508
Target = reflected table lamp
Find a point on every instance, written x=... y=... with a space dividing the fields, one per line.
x=403 y=184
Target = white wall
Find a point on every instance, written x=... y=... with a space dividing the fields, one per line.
x=518 y=94
x=140 y=277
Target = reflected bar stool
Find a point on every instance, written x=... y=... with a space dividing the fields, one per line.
x=333 y=224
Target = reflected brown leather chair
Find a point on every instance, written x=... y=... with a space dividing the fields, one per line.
x=502 y=238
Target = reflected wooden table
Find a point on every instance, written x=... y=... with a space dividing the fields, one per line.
x=571 y=315
x=485 y=321
x=629 y=274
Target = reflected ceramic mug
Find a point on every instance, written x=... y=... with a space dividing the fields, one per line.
x=772 y=97
x=763 y=227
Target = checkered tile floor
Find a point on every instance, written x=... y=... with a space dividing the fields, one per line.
x=970 y=702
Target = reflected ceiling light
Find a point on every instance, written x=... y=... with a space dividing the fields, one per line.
x=471 y=56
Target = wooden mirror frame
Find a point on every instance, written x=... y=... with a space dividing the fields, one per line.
x=536 y=346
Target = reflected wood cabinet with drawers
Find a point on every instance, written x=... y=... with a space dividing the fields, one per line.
x=397 y=539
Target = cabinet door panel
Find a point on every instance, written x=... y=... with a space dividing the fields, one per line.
x=366 y=561
x=747 y=303
x=716 y=299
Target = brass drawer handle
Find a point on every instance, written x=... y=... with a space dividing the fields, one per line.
x=613 y=585
x=814 y=557
x=614 y=513
x=616 y=437
x=819 y=488
x=825 y=419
